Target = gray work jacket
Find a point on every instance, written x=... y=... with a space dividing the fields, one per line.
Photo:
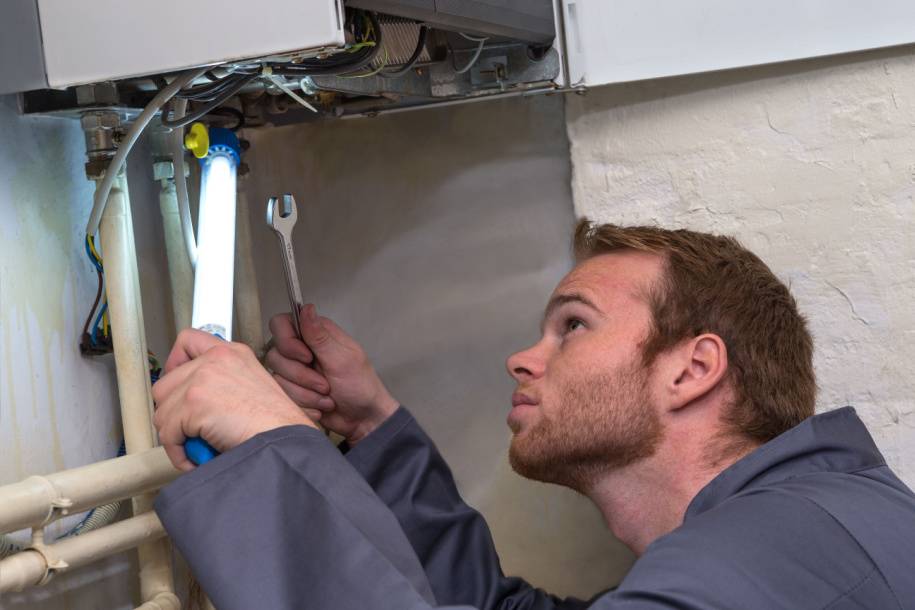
x=812 y=519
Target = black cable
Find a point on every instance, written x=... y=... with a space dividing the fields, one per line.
x=420 y=46
x=234 y=113
x=216 y=85
x=223 y=97
x=210 y=91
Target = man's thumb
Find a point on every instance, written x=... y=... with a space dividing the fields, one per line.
x=314 y=334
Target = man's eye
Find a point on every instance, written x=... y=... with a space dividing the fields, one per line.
x=573 y=324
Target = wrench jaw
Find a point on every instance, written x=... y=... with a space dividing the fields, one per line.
x=282 y=214
x=271 y=208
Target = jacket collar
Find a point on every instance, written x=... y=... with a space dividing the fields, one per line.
x=835 y=441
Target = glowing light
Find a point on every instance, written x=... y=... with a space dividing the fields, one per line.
x=215 y=271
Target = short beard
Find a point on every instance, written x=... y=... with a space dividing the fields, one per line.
x=607 y=422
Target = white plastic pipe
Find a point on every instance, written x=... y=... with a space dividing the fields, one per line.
x=122 y=284
x=34 y=566
x=38 y=500
x=125 y=309
x=215 y=271
x=162 y=601
x=180 y=272
x=247 y=301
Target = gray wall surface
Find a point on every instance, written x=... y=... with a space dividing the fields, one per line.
x=435 y=237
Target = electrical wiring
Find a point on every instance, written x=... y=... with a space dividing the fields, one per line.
x=366 y=29
x=209 y=91
x=473 y=38
x=370 y=73
x=155 y=369
x=476 y=56
x=89 y=339
x=234 y=113
x=130 y=138
x=98 y=297
x=219 y=100
x=100 y=320
x=420 y=45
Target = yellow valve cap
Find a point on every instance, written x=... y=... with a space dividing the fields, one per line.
x=197 y=140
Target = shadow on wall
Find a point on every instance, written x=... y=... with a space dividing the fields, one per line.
x=435 y=237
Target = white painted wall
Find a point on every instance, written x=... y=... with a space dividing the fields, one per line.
x=812 y=166
x=57 y=409
x=435 y=238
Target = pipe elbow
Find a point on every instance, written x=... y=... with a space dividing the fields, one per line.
x=162 y=601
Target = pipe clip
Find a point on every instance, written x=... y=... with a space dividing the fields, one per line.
x=53 y=563
x=61 y=505
x=58 y=505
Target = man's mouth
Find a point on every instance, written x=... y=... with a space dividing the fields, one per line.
x=519 y=398
x=522 y=404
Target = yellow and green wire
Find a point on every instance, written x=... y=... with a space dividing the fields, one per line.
x=101 y=321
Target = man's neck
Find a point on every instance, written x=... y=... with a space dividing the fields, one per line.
x=647 y=499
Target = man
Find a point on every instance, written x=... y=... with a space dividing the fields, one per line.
x=673 y=385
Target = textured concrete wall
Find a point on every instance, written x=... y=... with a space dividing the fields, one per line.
x=812 y=166
x=57 y=409
x=435 y=238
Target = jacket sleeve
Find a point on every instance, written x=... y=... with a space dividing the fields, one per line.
x=283 y=521
x=452 y=540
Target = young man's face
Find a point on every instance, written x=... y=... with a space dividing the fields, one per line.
x=583 y=403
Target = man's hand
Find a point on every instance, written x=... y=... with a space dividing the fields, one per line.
x=342 y=385
x=220 y=392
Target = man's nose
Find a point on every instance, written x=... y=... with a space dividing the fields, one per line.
x=526 y=364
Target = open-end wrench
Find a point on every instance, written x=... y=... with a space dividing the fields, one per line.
x=281 y=216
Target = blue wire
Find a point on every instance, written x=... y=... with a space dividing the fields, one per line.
x=98 y=319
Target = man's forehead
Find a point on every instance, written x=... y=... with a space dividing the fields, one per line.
x=608 y=278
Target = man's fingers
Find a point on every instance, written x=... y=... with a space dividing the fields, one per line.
x=296 y=372
x=306 y=399
x=281 y=326
x=190 y=344
x=169 y=384
x=313 y=415
x=287 y=341
x=178 y=458
x=171 y=434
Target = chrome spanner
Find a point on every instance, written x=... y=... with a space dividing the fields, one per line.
x=281 y=216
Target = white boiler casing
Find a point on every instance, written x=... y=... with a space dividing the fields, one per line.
x=59 y=43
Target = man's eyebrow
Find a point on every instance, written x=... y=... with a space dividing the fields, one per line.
x=562 y=299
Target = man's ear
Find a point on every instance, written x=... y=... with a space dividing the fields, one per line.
x=696 y=367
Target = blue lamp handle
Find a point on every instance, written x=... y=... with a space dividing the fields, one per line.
x=196 y=449
x=199 y=451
